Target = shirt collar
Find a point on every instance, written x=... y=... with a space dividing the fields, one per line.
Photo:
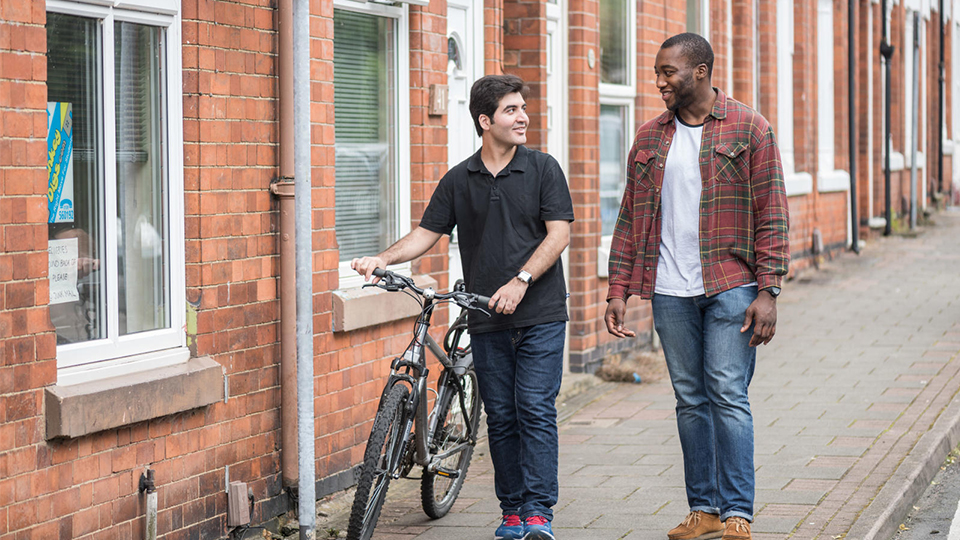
x=719 y=110
x=518 y=163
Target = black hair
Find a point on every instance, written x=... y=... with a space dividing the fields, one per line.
x=696 y=49
x=486 y=93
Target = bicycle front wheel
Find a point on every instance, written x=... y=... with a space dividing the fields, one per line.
x=439 y=489
x=380 y=460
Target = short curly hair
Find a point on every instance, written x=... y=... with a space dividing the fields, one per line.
x=696 y=49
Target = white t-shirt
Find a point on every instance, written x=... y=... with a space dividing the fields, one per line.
x=679 y=272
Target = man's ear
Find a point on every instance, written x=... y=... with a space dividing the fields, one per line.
x=701 y=71
x=484 y=122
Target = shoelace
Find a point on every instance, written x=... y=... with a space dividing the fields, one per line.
x=693 y=518
x=537 y=520
x=740 y=523
x=512 y=520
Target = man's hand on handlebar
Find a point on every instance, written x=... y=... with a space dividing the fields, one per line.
x=365 y=267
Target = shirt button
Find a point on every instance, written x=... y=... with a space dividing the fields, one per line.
x=647 y=268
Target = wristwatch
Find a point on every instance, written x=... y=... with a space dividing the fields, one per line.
x=774 y=291
x=525 y=277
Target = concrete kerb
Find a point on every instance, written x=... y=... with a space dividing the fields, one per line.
x=880 y=520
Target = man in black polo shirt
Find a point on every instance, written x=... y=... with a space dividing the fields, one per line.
x=513 y=212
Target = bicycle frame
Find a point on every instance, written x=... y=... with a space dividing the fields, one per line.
x=415 y=374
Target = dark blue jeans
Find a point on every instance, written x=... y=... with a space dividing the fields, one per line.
x=519 y=372
x=711 y=364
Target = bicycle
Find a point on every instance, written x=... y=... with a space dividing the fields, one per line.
x=404 y=434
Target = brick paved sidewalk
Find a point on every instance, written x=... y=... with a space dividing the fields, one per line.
x=864 y=362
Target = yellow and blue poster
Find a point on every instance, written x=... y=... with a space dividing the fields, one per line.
x=60 y=161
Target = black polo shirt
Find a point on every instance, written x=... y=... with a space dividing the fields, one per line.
x=500 y=224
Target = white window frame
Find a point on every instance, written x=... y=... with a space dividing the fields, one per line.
x=796 y=183
x=829 y=178
x=621 y=95
x=118 y=355
x=704 y=29
x=349 y=277
x=629 y=129
x=628 y=90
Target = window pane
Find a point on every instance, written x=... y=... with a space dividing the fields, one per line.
x=694 y=16
x=75 y=178
x=364 y=75
x=141 y=197
x=612 y=164
x=614 y=38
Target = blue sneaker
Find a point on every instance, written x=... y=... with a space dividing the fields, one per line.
x=537 y=528
x=511 y=528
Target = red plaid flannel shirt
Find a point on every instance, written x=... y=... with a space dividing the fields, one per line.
x=743 y=206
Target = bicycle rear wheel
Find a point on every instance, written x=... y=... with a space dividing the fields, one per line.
x=439 y=489
x=380 y=460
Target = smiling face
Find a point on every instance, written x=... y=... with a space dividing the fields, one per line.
x=677 y=79
x=508 y=127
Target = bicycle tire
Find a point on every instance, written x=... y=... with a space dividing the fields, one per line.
x=438 y=493
x=374 y=477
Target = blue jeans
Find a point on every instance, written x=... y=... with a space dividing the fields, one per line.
x=711 y=364
x=518 y=371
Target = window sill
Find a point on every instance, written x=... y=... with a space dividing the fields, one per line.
x=833 y=181
x=359 y=308
x=603 y=257
x=798 y=184
x=897 y=161
x=81 y=409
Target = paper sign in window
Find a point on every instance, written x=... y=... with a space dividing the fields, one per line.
x=60 y=161
x=63 y=270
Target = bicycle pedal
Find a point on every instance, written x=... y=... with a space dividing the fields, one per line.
x=447 y=473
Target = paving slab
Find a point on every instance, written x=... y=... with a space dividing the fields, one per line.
x=855 y=400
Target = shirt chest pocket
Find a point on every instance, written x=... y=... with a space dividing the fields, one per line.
x=643 y=167
x=732 y=163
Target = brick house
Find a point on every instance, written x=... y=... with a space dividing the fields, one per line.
x=140 y=238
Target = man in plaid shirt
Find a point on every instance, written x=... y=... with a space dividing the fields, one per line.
x=702 y=232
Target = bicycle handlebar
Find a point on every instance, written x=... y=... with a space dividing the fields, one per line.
x=396 y=282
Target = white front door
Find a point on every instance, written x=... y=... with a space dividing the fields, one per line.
x=464 y=65
x=557 y=114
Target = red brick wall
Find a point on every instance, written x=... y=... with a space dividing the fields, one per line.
x=804 y=87
x=768 y=62
x=582 y=174
x=865 y=55
x=719 y=35
x=493 y=37
x=525 y=55
x=744 y=63
x=841 y=85
x=27 y=343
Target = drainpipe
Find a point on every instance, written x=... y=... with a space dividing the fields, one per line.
x=148 y=487
x=284 y=190
x=941 y=104
x=307 y=513
x=851 y=85
x=886 y=52
x=914 y=120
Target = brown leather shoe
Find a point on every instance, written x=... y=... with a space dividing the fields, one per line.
x=697 y=526
x=736 y=528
